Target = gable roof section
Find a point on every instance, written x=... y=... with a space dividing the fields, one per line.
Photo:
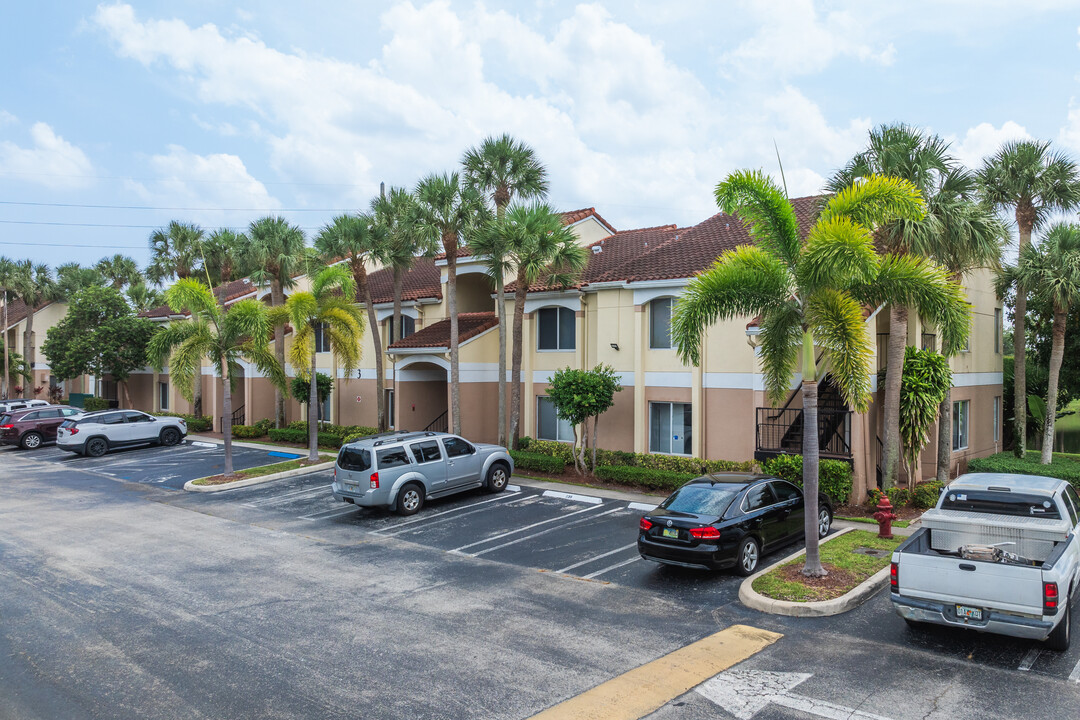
x=233 y=291
x=437 y=335
x=17 y=311
x=422 y=281
x=568 y=218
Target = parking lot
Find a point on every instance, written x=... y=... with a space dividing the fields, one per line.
x=168 y=467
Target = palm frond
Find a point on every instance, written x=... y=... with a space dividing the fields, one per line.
x=838 y=252
x=837 y=322
x=780 y=339
x=876 y=200
x=764 y=210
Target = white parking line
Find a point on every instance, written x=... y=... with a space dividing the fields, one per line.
x=196 y=443
x=597 y=557
x=640 y=506
x=572 y=496
x=1074 y=676
x=513 y=488
x=327 y=514
x=609 y=568
x=401 y=527
x=521 y=529
x=1029 y=659
x=542 y=532
x=286 y=497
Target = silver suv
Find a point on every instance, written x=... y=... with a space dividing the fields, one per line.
x=404 y=469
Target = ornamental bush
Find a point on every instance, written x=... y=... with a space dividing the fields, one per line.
x=834 y=476
x=194 y=423
x=93 y=404
x=247 y=431
x=925 y=495
x=536 y=461
x=621 y=458
x=1062 y=467
x=648 y=478
x=297 y=435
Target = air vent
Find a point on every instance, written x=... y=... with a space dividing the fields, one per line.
x=596 y=250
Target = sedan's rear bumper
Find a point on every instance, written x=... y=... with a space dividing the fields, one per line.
x=705 y=557
x=998 y=623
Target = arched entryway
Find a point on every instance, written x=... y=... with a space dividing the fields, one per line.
x=421 y=394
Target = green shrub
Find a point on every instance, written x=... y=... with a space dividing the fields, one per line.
x=360 y=432
x=655 y=461
x=265 y=425
x=926 y=495
x=93 y=404
x=899 y=497
x=523 y=443
x=194 y=424
x=247 y=431
x=538 y=462
x=643 y=477
x=834 y=476
x=1062 y=467
x=565 y=451
x=342 y=430
x=296 y=435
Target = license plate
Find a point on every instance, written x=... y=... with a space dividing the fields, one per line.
x=972 y=613
x=351 y=488
x=671 y=533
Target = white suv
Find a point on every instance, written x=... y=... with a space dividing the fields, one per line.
x=96 y=433
x=19 y=404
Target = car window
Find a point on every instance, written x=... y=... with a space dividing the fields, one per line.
x=354 y=459
x=69 y=423
x=758 y=497
x=110 y=419
x=785 y=491
x=426 y=451
x=5 y=419
x=392 y=458
x=136 y=417
x=68 y=412
x=1073 y=503
x=701 y=499
x=51 y=413
x=31 y=416
x=456 y=447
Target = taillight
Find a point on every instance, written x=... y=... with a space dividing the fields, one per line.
x=705 y=533
x=73 y=431
x=644 y=525
x=1050 y=598
x=374 y=481
x=6 y=427
x=894 y=577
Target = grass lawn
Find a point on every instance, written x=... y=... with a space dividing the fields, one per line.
x=872 y=521
x=1069 y=422
x=846 y=569
x=258 y=471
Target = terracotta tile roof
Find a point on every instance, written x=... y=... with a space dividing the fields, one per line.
x=424 y=280
x=17 y=311
x=233 y=290
x=438 y=335
x=568 y=218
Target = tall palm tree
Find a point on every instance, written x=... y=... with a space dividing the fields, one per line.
x=541 y=249
x=119 y=270
x=811 y=297
x=399 y=215
x=226 y=255
x=7 y=278
x=1026 y=176
x=1052 y=270
x=220 y=336
x=277 y=253
x=922 y=159
x=329 y=305
x=358 y=240
x=34 y=285
x=449 y=210
x=504 y=169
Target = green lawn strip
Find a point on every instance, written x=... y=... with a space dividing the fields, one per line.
x=837 y=552
x=262 y=470
x=872 y=521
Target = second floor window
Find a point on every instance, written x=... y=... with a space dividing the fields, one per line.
x=322 y=339
x=660 y=324
x=407 y=323
x=555 y=329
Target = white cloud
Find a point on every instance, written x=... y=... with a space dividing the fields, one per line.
x=984 y=140
x=51 y=160
x=1070 y=134
x=7 y=118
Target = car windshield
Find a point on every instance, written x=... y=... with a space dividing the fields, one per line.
x=702 y=499
x=355 y=459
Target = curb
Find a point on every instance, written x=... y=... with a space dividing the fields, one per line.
x=584 y=490
x=268 y=447
x=189 y=487
x=821 y=608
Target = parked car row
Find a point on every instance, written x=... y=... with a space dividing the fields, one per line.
x=86 y=433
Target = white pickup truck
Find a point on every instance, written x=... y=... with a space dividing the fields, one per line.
x=998 y=554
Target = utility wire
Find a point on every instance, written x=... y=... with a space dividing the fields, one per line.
x=149 y=207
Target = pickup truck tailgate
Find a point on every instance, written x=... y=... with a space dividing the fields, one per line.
x=1012 y=588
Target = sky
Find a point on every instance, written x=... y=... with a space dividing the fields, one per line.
x=116 y=118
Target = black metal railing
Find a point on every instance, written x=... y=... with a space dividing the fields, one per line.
x=781 y=432
x=238 y=417
x=439 y=424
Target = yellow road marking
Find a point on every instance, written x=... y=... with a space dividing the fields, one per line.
x=646 y=689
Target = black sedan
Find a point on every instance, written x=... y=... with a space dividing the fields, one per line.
x=727 y=520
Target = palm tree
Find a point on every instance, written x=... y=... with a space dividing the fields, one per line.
x=811 y=297
x=72 y=277
x=449 y=210
x=277 y=252
x=399 y=215
x=1052 y=270
x=119 y=270
x=226 y=258
x=1026 y=176
x=906 y=152
x=220 y=336
x=175 y=252
x=143 y=298
x=506 y=170
x=541 y=249
x=358 y=240
x=34 y=285
x=329 y=305
x=7 y=278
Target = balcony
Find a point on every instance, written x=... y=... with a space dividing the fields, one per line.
x=780 y=432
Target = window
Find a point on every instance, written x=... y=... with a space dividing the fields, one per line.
x=456 y=447
x=660 y=323
x=324 y=409
x=555 y=329
x=960 y=424
x=997 y=418
x=426 y=451
x=31 y=416
x=68 y=412
x=163 y=395
x=785 y=491
x=136 y=417
x=758 y=497
x=390 y=408
x=701 y=499
x=670 y=428
x=46 y=414
x=111 y=419
x=548 y=425
x=392 y=458
x=997 y=330
x=322 y=338
x=1074 y=500
x=354 y=460
x=407 y=322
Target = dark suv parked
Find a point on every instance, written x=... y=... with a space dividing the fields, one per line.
x=29 y=428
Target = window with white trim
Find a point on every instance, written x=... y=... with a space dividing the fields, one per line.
x=997 y=330
x=960 y=410
x=660 y=323
x=390 y=408
x=670 y=428
x=322 y=338
x=555 y=329
x=163 y=395
x=407 y=324
x=549 y=426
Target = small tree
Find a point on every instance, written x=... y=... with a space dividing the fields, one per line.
x=579 y=395
x=926 y=379
x=301 y=389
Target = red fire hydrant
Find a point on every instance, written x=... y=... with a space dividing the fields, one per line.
x=884 y=517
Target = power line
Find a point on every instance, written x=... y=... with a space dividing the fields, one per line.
x=189 y=180
x=78 y=245
x=109 y=225
x=187 y=209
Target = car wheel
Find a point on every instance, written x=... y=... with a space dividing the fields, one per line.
x=30 y=441
x=97 y=447
x=497 y=478
x=1060 y=637
x=824 y=522
x=170 y=436
x=746 y=562
x=410 y=499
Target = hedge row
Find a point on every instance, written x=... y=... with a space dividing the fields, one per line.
x=536 y=461
x=834 y=476
x=194 y=423
x=247 y=431
x=93 y=404
x=1062 y=468
x=648 y=478
x=296 y=435
x=619 y=458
